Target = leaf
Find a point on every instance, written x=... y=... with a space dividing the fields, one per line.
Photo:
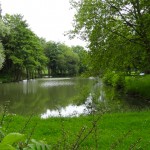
x=12 y=138
x=30 y=147
x=38 y=145
x=6 y=147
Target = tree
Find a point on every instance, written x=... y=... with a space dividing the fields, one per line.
x=72 y=62
x=83 y=58
x=51 y=52
x=62 y=60
x=4 y=30
x=24 y=52
x=118 y=33
x=2 y=56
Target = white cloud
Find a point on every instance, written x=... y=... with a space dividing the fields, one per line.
x=47 y=18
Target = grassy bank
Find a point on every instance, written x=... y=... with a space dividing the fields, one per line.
x=138 y=85
x=135 y=85
x=112 y=131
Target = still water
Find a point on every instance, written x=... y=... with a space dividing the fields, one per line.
x=48 y=97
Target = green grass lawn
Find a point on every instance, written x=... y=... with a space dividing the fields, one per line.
x=121 y=131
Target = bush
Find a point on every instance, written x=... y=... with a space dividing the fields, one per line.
x=116 y=80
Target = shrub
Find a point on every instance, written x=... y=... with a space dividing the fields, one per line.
x=107 y=78
x=116 y=80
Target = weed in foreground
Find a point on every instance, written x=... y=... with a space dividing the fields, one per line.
x=15 y=140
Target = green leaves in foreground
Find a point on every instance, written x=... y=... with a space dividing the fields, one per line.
x=9 y=140
x=6 y=147
x=37 y=146
x=13 y=138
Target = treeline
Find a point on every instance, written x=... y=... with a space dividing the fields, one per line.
x=24 y=55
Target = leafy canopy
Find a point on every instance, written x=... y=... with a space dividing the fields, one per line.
x=118 y=33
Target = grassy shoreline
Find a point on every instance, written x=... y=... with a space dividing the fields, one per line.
x=133 y=85
x=113 y=131
x=138 y=86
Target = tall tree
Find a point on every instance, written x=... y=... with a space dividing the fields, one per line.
x=4 y=30
x=83 y=58
x=2 y=56
x=24 y=53
x=62 y=60
x=0 y=11
x=118 y=33
x=71 y=60
x=51 y=51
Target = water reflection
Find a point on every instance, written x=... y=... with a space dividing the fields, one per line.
x=70 y=110
x=56 y=83
x=38 y=95
x=41 y=96
x=29 y=86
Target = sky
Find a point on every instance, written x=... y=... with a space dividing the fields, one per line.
x=49 y=19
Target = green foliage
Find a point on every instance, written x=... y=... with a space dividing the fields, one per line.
x=4 y=30
x=116 y=80
x=6 y=147
x=12 y=138
x=62 y=61
x=35 y=145
x=27 y=55
x=9 y=140
x=138 y=86
x=117 y=32
x=108 y=77
x=23 y=49
x=2 y=56
x=83 y=58
x=16 y=140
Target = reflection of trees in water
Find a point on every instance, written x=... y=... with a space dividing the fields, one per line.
x=29 y=86
x=110 y=99
x=30 y=96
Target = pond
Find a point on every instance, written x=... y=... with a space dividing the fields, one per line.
x=39 y=96
x=64 y=96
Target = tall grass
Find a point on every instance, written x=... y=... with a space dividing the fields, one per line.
x=138 y=86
